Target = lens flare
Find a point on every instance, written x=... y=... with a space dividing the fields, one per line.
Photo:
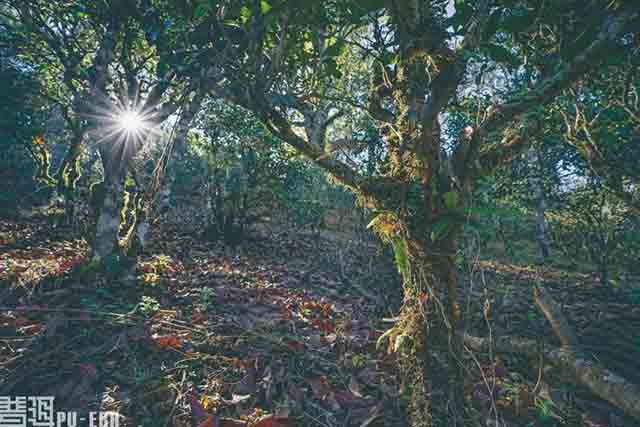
x=131 y=122
x=124 y=125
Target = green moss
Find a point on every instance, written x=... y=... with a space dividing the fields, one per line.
x=43 y=159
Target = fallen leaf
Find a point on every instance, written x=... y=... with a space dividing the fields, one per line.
x=198 y=318
x=346 y=399
x=247 y=386
x=20 y=322
x=210 y=421
x=166 y=341
x=197 y=411
x=89 y=369
x=320 y=386
x=295 y=345
x=32 y=329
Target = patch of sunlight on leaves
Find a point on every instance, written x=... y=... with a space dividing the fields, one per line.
x=398 y=341
x=151 y=279
x=153 y=270
x=148 y=306
x=403 y=344
x=358 y=360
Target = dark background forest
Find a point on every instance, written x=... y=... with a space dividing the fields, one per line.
x=322 y=213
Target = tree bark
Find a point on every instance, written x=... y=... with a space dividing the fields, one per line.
x=108 y=225
x=430 y=316
x=69 y=173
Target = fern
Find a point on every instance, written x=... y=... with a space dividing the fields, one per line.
x=401 y=256
x=386 y=225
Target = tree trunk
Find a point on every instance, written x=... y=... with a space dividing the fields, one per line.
x=69 y=174
x=106 y=238
x=541 y=207
x=543 y=237
x=569 y=357
x=180 y=146
x=430 y=316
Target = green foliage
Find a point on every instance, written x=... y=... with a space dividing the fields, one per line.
x=597 y=227
x=207 y=299
x=247 y=173
x=24 y=154
x=148 y=306
x=307 y=196
x=97 y=192
x=379 y=94
x=112 y=266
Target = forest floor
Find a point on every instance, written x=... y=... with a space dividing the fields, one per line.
x=278 y=331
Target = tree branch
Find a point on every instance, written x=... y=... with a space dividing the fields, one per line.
x=504 y=115
x=445 y=85
x=280 y=127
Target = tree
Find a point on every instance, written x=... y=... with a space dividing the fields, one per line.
x=602 y=124
x=113 y=63
x=282 y=60
x=23 y=118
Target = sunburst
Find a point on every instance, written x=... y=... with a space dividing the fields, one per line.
x=131 y=122
x=121 y=126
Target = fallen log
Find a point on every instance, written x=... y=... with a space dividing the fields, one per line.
x=602 y=382
x=560 y=325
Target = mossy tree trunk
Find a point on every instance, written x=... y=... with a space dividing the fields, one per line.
x=69 y=174
x=429 y=316
x=428 y=198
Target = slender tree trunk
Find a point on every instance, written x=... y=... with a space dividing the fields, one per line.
x=180 y=146
x=69 y=173
x=543 y=237
x=542 y=234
